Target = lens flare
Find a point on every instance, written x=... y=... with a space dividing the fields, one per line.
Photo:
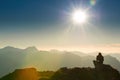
x=92 y=2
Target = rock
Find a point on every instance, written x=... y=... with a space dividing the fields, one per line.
x=106 y=72
x=22 y=74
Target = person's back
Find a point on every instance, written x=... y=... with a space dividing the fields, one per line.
x=100 y=58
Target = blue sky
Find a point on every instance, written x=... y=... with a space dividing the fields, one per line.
x=43 y=23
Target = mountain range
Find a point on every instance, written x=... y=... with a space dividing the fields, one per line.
x=14 y=58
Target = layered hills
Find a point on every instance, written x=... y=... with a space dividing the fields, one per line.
x=14 y=58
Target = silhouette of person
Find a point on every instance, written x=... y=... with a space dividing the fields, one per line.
x=100 y=58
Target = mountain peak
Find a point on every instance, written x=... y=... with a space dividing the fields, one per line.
x=7 y=48
x=31 y=49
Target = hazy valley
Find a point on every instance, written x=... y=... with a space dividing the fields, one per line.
x=13 y=58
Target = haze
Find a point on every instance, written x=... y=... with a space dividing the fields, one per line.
x=46 y=24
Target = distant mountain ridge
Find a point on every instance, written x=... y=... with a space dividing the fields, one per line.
x=14 y=58
x=33 y=49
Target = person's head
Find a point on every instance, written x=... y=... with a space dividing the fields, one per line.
x=100 y=53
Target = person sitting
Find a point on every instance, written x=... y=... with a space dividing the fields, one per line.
x=100 y=58
x=99 y=61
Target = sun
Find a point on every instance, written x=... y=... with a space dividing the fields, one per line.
x=79 y=16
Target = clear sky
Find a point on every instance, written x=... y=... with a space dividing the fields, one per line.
x=46 y=25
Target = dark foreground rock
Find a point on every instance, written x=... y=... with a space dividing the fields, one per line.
x=105 y=72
